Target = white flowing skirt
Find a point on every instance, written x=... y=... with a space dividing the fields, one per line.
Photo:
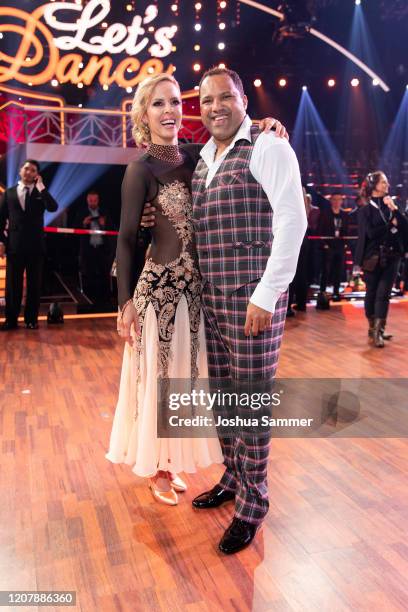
x=135 y=441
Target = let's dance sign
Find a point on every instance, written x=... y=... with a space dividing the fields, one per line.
x=55 y=42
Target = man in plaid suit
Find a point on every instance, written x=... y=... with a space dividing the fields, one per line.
x=249 y=221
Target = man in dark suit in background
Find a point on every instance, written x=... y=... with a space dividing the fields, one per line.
x=95 y=251
x=22 y=237
x=333 y=222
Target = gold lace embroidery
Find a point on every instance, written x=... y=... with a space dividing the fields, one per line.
x=164 y=285
x=176 y=204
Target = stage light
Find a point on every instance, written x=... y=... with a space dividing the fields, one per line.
x=1 y=34
x=376 y=82
x=150 y=70
x=150 y=28
x=221 y=46
x=257 y=82
x=129 y=89
x=105 y=87
x=79 y=105
x=196 y=67
x=196 y=87
x=358 y=2
x=81 y=65
x=223 y=4
x=223 y=66
x=80 y=85
x=282 y=82
x=197 y=47
x=54 y=83
x=331 y=82
x=104 y=24
x=174 y=8
x=198 y=6
x=197 y=27
x=30 y=84
x=174 y=28
x=221 y=25
x=129 y=7
x=28 y=59
x=174 y=48
x=354 y=82
x=304 y=87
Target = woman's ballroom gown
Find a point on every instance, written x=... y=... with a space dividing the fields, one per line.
x=167 y=300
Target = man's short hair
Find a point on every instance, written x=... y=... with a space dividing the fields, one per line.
x=234 y=76
x=33 y=162
x=92 y=192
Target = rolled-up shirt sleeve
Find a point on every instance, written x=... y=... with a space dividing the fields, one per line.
x=274 y=165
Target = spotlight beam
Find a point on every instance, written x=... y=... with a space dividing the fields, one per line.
x=326 y=39
x=311 y=140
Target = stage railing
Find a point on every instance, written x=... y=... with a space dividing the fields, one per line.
x=80 y=126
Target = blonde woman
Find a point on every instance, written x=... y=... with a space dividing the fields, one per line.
x=160 y=320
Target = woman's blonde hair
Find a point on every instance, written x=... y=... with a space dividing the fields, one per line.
x=143 y=95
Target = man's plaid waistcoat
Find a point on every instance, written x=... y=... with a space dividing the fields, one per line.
x=232 y=220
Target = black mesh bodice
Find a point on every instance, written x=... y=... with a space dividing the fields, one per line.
x=147 y=180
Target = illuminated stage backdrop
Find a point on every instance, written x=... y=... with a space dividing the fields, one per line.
x=73 y=57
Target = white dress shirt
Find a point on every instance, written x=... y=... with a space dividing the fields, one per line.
x=21 y=192
x=274 y=165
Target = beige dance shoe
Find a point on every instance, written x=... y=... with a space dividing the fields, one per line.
x=164 y=497
x=178 y=484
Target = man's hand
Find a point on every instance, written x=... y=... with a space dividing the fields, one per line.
x=102 y=221
x=39 y=183
x=267 y=124
x=87 y=220
x=148 y=216
x=257 y=320
x=2 y=250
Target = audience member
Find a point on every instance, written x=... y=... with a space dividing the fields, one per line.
x=95 y=253
x=22 y=210
x=333 y=224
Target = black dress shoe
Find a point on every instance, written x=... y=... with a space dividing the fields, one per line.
x=7 y=326
x=290 y=312
x=238 y=536
x=31 y=325
x=213 y=498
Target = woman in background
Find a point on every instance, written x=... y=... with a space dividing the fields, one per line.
x=382 y=240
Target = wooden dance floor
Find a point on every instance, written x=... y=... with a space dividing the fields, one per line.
x=336 y=534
